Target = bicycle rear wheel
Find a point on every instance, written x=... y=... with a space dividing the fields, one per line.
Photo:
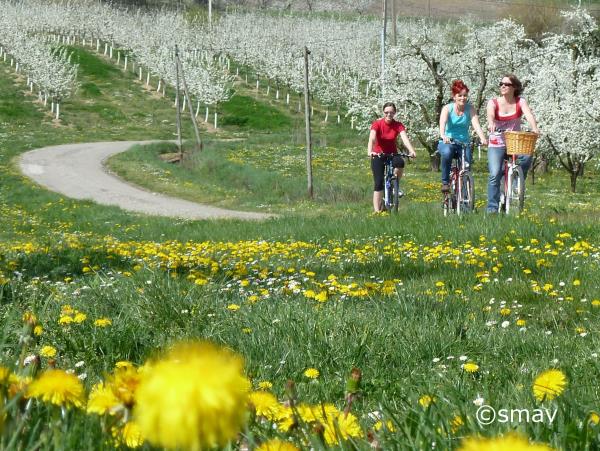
x=516 y=194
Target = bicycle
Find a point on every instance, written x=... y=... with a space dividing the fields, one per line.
x=460 y=198
x=392 y=192
x=512 y=183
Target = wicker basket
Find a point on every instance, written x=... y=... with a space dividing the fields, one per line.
x=520 y=143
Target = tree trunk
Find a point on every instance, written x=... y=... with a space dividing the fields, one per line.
x=434 y=162
x=574 y=175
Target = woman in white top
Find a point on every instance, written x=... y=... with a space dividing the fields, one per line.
x=505 y=113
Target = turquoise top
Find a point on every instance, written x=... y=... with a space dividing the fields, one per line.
x=457 y=127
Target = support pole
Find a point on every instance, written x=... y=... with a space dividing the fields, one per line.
x=383 y=33
x=188 y=98
x=177 y=108
x=307 y=120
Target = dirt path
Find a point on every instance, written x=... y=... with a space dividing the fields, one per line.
x=77 y=171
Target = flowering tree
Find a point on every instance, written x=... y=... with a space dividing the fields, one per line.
x=565 y=91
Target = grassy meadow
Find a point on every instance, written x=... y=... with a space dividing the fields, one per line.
x=356 y=331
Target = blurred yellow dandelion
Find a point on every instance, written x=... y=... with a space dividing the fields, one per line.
x=175 y=410
x=509 y=442
x=277 y=445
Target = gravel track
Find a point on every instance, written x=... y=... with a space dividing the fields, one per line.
x=78 y=171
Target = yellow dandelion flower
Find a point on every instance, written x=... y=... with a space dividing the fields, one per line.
x=48 y=351
x=59 y=388
x=549 y=384
x=596 y=302
x=102 y=400
x=38 y=330
x=123 y=364
x=470 y=367
x=102 y=322
x=505 y=311
x=322 y=296
x=509 y=442
x=521 y=322
x=79 y=317
x=65 y=320
x=129 y=434
x=4 y=374
x=265 y=385
x=577 y=282
x=388 y=426
x=341 y=427
x=594 y=418
x=456 y=423
x=29 y=318
x=175 y=410
x=312 y=373
x=233 y=307
x=277 y=445
x=265 y=404
x=124 y=383
x=426 y=401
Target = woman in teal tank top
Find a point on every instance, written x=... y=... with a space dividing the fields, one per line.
x=455 y=120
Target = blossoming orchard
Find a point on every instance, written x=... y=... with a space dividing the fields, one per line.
x=322 y=326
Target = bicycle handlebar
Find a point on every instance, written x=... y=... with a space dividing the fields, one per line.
x=381 y=155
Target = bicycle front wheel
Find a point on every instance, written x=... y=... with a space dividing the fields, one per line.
x=466 y=194
x=516 y=194
x=395 y=195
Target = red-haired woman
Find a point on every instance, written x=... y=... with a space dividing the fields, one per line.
x=455 y=120
x=505 y=113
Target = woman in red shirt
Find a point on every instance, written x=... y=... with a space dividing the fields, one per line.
x=382 y=140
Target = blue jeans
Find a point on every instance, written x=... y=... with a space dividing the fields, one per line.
x=449 y=151
x=495 y=159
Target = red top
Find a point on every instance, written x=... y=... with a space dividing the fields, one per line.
x=386 y=135
x=516 y=115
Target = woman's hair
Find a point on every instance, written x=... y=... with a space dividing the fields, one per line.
x=515 y=82
x=458 y=86
x=387 y=104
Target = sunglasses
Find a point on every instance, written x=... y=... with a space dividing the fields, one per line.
x=504 y=84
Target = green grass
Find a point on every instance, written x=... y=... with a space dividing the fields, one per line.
x=451 y=279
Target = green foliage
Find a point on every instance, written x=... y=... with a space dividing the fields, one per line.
x=249 y=113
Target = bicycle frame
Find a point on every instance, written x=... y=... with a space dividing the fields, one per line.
x=457 y=200
x=513 y=174
x=392 y=192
